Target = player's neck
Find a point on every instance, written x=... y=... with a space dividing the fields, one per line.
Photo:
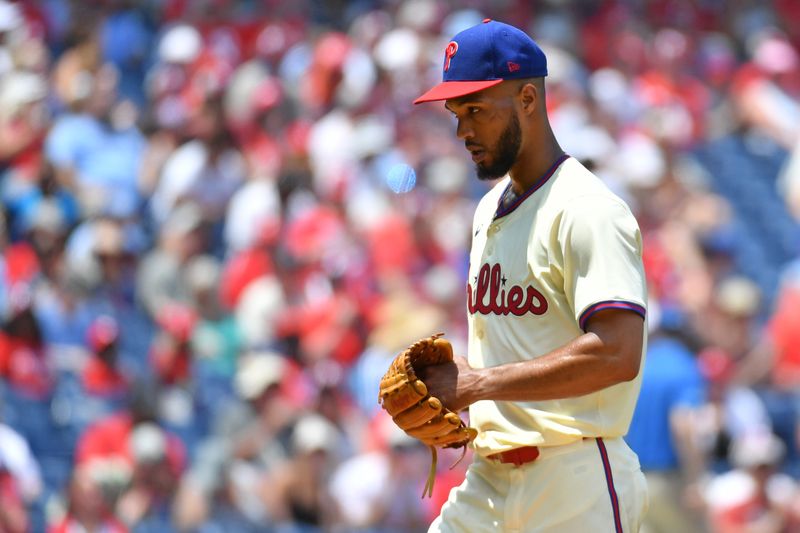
x=533 y=162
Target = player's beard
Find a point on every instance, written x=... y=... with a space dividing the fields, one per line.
x=505 y=153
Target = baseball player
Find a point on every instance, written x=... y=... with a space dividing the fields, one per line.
x=556 y=311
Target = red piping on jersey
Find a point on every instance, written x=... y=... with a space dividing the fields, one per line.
x=499 y=213
x=612 y=492
x=609 y=304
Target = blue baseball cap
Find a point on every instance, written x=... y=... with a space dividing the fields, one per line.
x=483 y=56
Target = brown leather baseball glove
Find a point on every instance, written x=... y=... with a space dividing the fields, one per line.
x=405 y=397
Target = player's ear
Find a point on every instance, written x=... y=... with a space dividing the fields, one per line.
x=530 y=96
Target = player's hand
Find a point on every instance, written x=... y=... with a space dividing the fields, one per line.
x=453 y=383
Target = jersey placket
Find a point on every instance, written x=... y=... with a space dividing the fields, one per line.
x=489 y=248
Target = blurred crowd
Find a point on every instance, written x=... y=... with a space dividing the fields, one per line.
x=206 y=265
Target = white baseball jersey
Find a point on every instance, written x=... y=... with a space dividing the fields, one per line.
x=539 y=268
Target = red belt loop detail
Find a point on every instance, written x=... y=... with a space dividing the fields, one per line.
x=517 y=456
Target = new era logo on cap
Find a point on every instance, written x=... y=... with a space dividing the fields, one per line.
x=483 y=56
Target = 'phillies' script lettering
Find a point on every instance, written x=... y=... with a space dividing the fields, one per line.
x=492 y=296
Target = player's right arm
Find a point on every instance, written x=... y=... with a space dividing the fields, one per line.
x=607 y=354
x=598 y=248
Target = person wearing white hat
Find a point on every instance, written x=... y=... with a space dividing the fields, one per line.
x=297 y=491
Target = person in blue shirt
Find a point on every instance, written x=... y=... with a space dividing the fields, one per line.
x=661 y=432
x=96 y=147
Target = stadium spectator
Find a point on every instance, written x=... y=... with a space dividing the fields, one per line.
x=23 y=358
x=754 y=495
x=87 y=506
x=379 y=489
x=662 y=431
x=21 y=481
x=296 y=492
x=102 y=375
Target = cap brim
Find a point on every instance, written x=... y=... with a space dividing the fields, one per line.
x=455 y=89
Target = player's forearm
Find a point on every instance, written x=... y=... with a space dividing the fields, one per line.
x=573 y=370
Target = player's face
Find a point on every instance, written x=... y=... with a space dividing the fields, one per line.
x=490 y=130
x=504 y=154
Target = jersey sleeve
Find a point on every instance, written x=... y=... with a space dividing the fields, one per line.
x=601 y=247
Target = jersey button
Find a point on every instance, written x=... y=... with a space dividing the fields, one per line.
x=479 y=333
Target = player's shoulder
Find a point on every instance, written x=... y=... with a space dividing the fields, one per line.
x=577 y=180
x=579 y=189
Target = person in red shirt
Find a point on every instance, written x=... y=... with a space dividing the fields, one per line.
x=784 y=333
x=22 y=350
x=110 y=437
x=149 y=496
x=101 y=376
x=776 y=357
x=171 y=351
x=13 y=515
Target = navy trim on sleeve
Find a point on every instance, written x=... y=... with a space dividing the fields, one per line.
x=610 y=304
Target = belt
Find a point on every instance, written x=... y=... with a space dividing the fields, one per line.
x=517 y=456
